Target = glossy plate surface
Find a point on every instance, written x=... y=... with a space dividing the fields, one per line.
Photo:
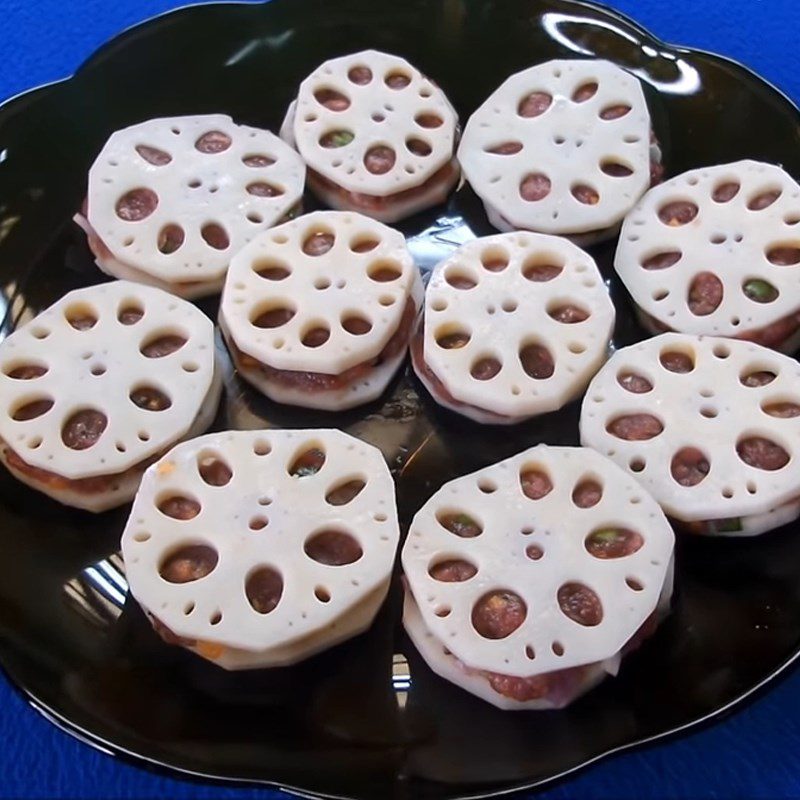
x=368 y=719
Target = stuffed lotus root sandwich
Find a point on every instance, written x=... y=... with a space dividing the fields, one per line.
x=261 y=548
x=377 y=136
x=708 y=426
x=564 y=148
x=99 y=385
x=515 y=325
x=529 y=580
x=170 y=201
x=318 y=312
x=717 y=251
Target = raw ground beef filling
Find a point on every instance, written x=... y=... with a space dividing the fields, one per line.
x=88 y=486
x=320 y=381
x=441 y=180
x=418 y=358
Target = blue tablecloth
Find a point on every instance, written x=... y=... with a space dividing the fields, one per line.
x=753 y=754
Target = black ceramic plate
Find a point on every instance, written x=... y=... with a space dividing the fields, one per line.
x=368 y=719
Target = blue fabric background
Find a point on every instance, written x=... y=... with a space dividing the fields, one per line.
x=753 y=754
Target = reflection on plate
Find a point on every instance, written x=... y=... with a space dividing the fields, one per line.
x=367 y=719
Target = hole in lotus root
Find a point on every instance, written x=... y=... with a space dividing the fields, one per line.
x=460 y=524
x=322 y=594
x=663 y=260
x=25 y=372
x=344 y=493
x=534 y=104
x=263 y=588
x=336 y=139
x=454 y=570
x=272 y=317
x=678 y=213
x=764 y=200
x=459 y=279
x=264 y=189
x=333 y=548
x=150 y=398
x=418 y=147
x=179 y=506
x=379 y=159
x=585 y=194
x=331 y=99
x=494 y=259
x=689 y=466
x=676 y=361
x=136 y=205
x=215 y=236
x=613 y=542
x=316 y=336
x=584 y=92
x=725 y=192
x=271 y=270
x=162 y=345
x=213 y=469
x=170 y=239
x=635 y=427
x=534 y=187
x=498 y=614
x=318 y=243
x=152 y=155
x=428 y=120
x=587 y=493
x=580 y=603
x=189 y=563
x=705 y=294
x=537 y=361
x=631 y=382
x=615 y=111
x=484 y=369
x=535 y=483
x=782 y=410
x=81 y=316
x=539 y=269
x=384 y=271
x=615 y=169
x=451 y=339
x=364 y=243
x=567 y=313
x=762 y=453
x=257 y=160
x=360 y=75
x=760 y=291
x=397 y=79
x=130 y=313
x=534 y=552
x=213 y=142
x=509 y=148
x=32 y=410
x=784 y=255
x=308 y=462
x=83 y=429
x=356 y=325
